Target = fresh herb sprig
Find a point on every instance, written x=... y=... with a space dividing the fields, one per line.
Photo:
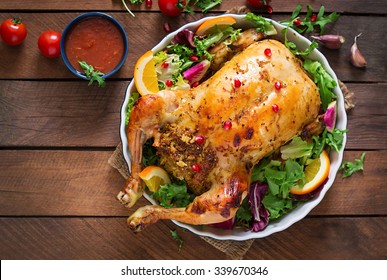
x=92 y=75
x=310 y=21
x=204 y=5
x=261 y=24
x=351 y=167
x=176 y=237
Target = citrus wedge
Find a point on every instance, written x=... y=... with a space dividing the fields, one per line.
x=206 y=27
x=154 y=177
x=145 y=76
x=315 y=174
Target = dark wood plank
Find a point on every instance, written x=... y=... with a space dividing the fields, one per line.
x=343 y=6
x=326 y=239
x=108 y=238
x=96 y=238
x=71 y=114
x=25 y=61
x=81 y=183
x=60 y=113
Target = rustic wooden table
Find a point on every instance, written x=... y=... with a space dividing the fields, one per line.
x=57 y=191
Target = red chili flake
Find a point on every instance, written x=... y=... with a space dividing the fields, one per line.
x=297 y=22
x=268 y=52
x=168 y=83
x=313 y=17
x=200 y=140
x=277 y=85
x=196 y=167
x=237 y=83
x=167 y=27
x=227 y=125
x=275 y=108
x=193 y=58
x=164 y=65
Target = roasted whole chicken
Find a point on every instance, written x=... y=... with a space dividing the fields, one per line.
x=250 y=107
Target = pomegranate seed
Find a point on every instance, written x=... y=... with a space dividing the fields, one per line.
x=167 y=27
x=148 y=3
x=269 y=9
x=200 y=140
x=227 y=125
x=277 y=85
x=237 y=83
x=168 y=83
x=267 y=52
x=193 y=58
x=195 y=84
x=164 y=65
x=196 y=167
x=313 y=18
x=297 y=22
x=275 y=108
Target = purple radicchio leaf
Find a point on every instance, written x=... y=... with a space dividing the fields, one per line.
x=257 y=191
x=196 y=72
x=184 y=37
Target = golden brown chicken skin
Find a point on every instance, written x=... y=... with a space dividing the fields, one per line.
x=253 y=105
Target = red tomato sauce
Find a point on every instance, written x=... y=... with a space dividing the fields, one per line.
x=97 y=41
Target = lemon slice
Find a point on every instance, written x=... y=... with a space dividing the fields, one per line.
x=154 y=177
x=145 y=76
x=207 y=26
x=315 y=174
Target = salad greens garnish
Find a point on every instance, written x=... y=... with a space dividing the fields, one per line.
x=323 y=80
x=310 y=21
x=293 y=47
x=262 y=24
x=173 y=194
x=333 y=140
x=92 y=75
x=187 y=50
x=133 y=97
x=351 y=167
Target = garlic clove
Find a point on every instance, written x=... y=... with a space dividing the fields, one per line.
x=330 y=41
x=356 y=58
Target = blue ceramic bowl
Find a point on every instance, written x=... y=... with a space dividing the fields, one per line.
x=73 y=24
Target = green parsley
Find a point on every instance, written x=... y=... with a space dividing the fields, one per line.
x=176 y=237
x=133 y=97
x=293 y=47
x=323 y=80
x=262 y=25
x=351 y=167
x=310 y=21
x=204 y=5
x=173 y=194
x=92 y=75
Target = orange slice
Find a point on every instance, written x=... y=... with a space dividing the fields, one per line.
x=154 y=177
x=315 y=174
x=206 y=27
x=145 y=76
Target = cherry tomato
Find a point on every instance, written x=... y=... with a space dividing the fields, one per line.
x=258 y=3
x=171 y=8
x=49 y=43
x=13 y=31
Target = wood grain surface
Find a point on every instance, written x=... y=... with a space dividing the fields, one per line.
x=57 y=191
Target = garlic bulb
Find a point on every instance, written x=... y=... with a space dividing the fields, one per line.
x=356 y=58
